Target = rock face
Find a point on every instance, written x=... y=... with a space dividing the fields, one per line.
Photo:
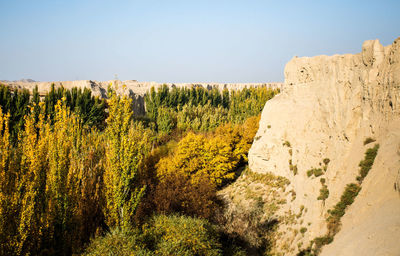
x=136 y=90
x=329 y=106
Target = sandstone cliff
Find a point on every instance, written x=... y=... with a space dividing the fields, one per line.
x=329 y=106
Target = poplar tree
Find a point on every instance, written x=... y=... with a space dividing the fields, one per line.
x=125 y=150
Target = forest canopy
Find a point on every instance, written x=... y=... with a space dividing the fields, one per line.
x=74 y=167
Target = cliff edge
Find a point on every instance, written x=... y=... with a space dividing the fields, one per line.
x=316 y=132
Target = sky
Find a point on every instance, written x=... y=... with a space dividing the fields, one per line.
x=182 y=41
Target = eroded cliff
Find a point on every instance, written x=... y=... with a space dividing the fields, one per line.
x=315 y=134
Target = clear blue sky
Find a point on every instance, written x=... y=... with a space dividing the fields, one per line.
x=182 y=41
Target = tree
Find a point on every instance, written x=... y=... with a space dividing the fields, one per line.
x=32 y=184
x=126 y=147
x=196 y=157
x=8 y=194
x=165 y=120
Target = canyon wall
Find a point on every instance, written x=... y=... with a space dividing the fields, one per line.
x=329 y=106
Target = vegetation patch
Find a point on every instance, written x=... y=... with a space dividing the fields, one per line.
x=366 y=164
x=266 y=178
x=315 y=171
x=350 y=193
x=163 y=235
x=369 y=140
x=323 y=193
x=295 y=170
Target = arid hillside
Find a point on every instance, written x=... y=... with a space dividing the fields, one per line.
x=334 y=133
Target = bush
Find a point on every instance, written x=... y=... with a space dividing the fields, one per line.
x=323 y=193
x=319 y=242
x=180 y=235
x=366 y=164
x=247 y=223
x=295 y=170
x=315 y=171
x=177 y=194
x=326 y=161
x=318 y=172
x=347 y=198
x=368 y=140
x=163 y=235
x=165 y=120
x=118 y=243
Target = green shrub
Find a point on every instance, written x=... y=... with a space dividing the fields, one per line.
x=368 y=140
x=323 y=193
x=321 y=241
x=287 y=144
x=318 y=172
x=326 y=161
x=315 y=171
x=165 y=120
x=303 y=230
x=347 y=198
x=366 y=164
x=295 y=171
x=163 y=235
x=180 y=235
x=118 y=243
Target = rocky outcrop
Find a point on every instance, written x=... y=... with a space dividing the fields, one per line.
x=136 y=90
x=329 y=106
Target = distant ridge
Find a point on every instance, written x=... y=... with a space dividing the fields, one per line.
x=23 y=80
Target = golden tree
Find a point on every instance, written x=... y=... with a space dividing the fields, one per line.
x=8 y=195
x=126 y=146
x=198 y=157
x=31 y=186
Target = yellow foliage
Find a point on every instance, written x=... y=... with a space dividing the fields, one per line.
x=195 y=156
x=125 y=150
x=33 y=181
x=8 y=196
x=214 y=156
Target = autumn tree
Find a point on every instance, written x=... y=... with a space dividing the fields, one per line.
x=9 y=207
x=126 y=146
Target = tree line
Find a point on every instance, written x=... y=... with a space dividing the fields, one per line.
x=17 y=103
x=200 y=109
